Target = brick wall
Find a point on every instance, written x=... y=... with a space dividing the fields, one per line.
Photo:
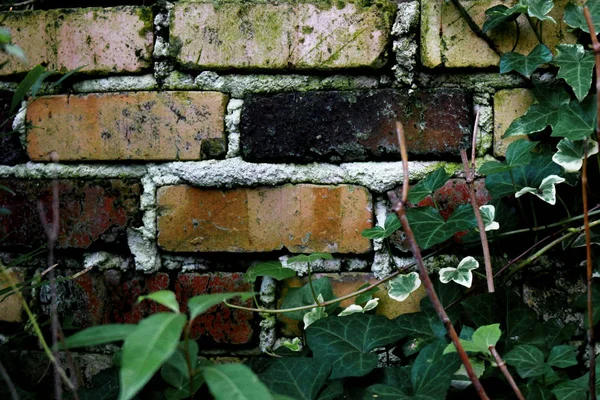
x=200 y=138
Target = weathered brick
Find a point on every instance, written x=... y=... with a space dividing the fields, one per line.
x=105 y=40
x=220 y=324
x=89 y=211
x=12 y=151
x=346 y=283
x=11 y=307
x=111 y=297
x=339 y=126
x=447 y=40
x=509 y=105
x=301 y=218
x=128 y=126
x=280 y=36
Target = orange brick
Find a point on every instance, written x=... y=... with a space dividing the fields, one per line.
x=302 y=218
x=128 y=126
x=102 y=40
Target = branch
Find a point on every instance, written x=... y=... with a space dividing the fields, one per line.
x=596 y=48
x=398 y=206
x=506 y=372
x=475 y=28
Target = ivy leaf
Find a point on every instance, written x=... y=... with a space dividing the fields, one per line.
x=432 y=371
x=427 y=186
x=575 y=19
x=234 y=381
x=576 y=66
x=294 y=345
x=542 y=114
x=430 y=228
x=461 y=274
x=488 y=213
x=298 y=378
x=315 y=314
x=518 y=153
x=546 y=191
x=501 y=14
x=298 y=297
x=539 y=9
x=355 y=308
x=162 y=297
x=403 y=285
x=307 y=258
x=536 y=391
x=570 y=153
x=525 y=65
x=347 y=342
x=493 y=167
x=484 y=337
x=576 y=121
x=528 y=360
x=562 y=356
x=381 y=391
x=576 y=389
x=391 y=225
x=274 y=269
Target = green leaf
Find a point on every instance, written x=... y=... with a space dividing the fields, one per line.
x=518 y=153
x=528 y=360
x=432 y=371
x=418 y=325
x=562 y=356
x=67 y=75
x=163 y=297
x=184 y=393
x=576 y=66
x=298 y=378
x=38 y=83
x=298 y=297
x=333 y=391
x=234 y=382
x=14 y=50
x=539 y=9
x=493 y=167
x=381 y=391
x=274 y=269
x=571 y=153
x=314 y=314
x=403 y=285
x=391 y=225
x=5 y=36
x=175 y=369
x=576 y=121
x=488 y=213
x=575 y=19
x=199 y=304
x=571 y=390
x=430 y=228
x=355 y=308
x=24 y=86
x=427 y=186
x=461 y=274
x=484 y=337
x=461 y=380
x=347 y=342
x=294 y=344
x=100 y=334
x=500 y=14
x=7 y=189
x=307 y=258
x=366 y=296
x=546 y=191
x=525 y=65
x=145 y=349
x=536 y=391
x=482 y=309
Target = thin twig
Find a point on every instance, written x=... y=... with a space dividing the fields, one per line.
x=537 y=34
x=596 y=48
x=398 y=207
x=506 y=372
x=475 y=28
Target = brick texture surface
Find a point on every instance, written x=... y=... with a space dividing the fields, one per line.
x=89 y=211
x=101 y=40
x=353 y=125
x=12 y=151
x=111 y=297
x=447 y=40
x=279 y=36
x=128 y=126
x=11 y=307
x=509 y=104
x=301 y=218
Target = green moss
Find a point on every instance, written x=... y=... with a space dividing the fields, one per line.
x=146 y=16
x=384 y=5
x=307 y=29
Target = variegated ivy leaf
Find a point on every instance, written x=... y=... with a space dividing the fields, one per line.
x=525 y=65
x=501 y=14
x=570 y=153
x=539 y=9
x=575 y=19
x=461 y=274
x=294 y=345
x=403 y=285
x=488 y=213
x=576 y=66
x=546 y=191
x=355 y=308
x=315 y=314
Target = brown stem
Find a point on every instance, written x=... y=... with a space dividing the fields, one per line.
x=475 y=28
x=596 y=48
x=398 y=207
x=506 y=372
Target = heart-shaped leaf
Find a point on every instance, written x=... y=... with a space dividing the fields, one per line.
x=546 y=191
x=575 y=19
x=576 y=121
x=488 y=213
x=391 y=225
x=432 y=371
x=562 y=356
x=430 y=228
x=403 y=285
x=274 y=269
x=525 y=65
x=294 y=345
x=571 y=153
x=481 y=340
x=298 y=297
x=427 y=186
x=500 y=14
x=576 y=66
x=355 y=308
x=539 y=9
x=297 y=378
x=461 y=274
x=528 y=360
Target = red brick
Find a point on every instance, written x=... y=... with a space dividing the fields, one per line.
x=89 y=211
x=105 y=40
x=128 y=126
x=301 y=218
